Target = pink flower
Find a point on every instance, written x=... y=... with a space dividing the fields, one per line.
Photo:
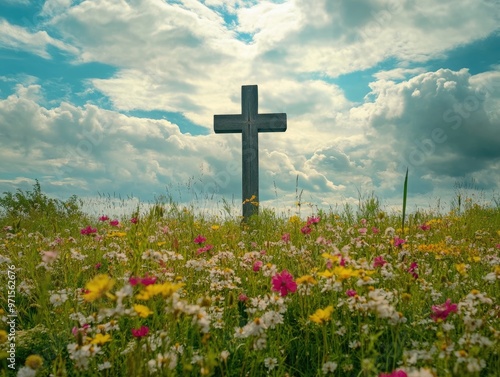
x=362 y=231
x=134 y=220
x=148 y=280
x=425 y=226
x=285 y=237
x=398 y=241
x=98 y=265
x=114 y=222
x=363 y=221
x=306 y=229
x=329 y=264
x=412 y=269
x=49 y=256
x=375 y=230
x=88 y=230
x=351 y=293
x=396 y=373
x=441 y=312
x=284 y=283
x=242 y=297
x=313 y=220
x=342 y=261
x=379 y=261
x=139 y=333
x=75 y=330
x=104 y=218
x=133 y=281
x=204 y=249
x=257 y=265
x=199 y=239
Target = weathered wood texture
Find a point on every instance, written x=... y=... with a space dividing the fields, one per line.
x=249 y=123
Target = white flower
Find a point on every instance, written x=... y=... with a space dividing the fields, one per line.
x=420 y=373
x=58 y=299
x=224 y=355
x=105 y=365
x=329 y=367
x=26 y=372
x=270 y=363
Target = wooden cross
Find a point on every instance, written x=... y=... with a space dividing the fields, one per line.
x=249 y=123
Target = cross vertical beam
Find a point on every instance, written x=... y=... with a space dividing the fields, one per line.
x=249 y=123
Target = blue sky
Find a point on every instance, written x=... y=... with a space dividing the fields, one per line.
x=118 y=96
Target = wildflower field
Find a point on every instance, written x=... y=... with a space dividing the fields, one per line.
x=170 y=293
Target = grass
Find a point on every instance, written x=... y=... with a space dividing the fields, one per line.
x=170 y=293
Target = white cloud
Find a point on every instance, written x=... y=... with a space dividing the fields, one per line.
x=18 y=38
x=54 y=7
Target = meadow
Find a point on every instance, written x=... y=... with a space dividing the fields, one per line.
x=167 y=292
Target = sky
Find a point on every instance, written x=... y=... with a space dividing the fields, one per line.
x=117 y=98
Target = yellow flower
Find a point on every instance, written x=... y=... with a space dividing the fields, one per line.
x=344 y=273
x=294 y=219
x=322 y=316
x=34 y=361
x=215 y=227
x=115 y=233
x=165 y=289
x=333 y=258
x=461 y=268
x=306 y=279
x=99 y=286
x=326 y=274
x=3 y=336
x=142 y=310
x=101 y=339
x=250 y=200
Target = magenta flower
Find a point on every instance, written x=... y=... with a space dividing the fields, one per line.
x=313 y=220
x=375 y=230
x=199 y=239
x=88 y=230
x=285 y=237
x=242 y=297
x=284 y=283
x=342 y=261
x=257 y=265
x=98 y=265
x=412 y=269
x=204 y=249
x=114 y=222
x=351 y=293
x=396 y=373
x=134 y=220
x=133 y=281
x=379 y=261
x=425 y=226
x=139 y=333
x=306 y=229
x=146 y=280
x=104 y=218
x=441 y=312
x=398 y=241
